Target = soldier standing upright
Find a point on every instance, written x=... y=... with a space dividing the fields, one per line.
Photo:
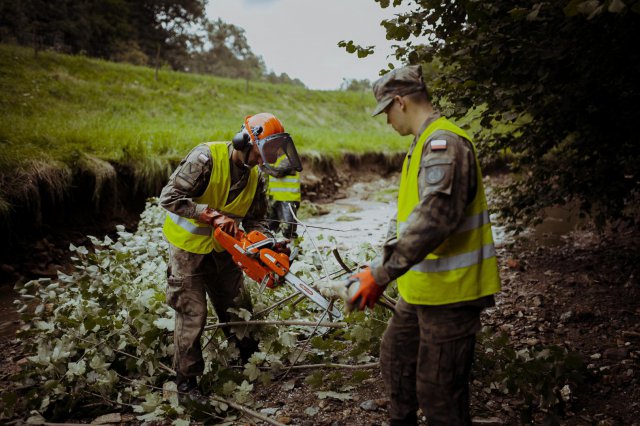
x=440 y=250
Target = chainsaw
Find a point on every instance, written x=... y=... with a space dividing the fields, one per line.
x=257 y=256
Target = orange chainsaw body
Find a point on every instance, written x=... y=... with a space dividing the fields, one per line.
x=261 y=264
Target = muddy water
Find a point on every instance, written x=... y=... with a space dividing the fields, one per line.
x=364 y=217
x=352 y=222
x=361 y=217
x=558 y=222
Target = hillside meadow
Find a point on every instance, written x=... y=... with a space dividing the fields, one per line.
x=56 y=105
x=60 y=114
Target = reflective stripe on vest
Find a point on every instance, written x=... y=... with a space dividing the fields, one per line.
x=463 y=260
x=464 y=267
x=195 y=237
x=286 y=188
x=189 y=226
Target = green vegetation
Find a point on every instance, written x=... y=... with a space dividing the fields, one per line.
x=309 y=209
x=157 y=33
x=57 y=107
x=103 y=333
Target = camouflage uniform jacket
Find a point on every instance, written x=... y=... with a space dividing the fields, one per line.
x=439 y=212
x=190 y=179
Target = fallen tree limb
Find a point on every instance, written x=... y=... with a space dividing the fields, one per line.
x=274 y=322
x=248 y=411
x=332 y=365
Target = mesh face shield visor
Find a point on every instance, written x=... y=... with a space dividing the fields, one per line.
x=273 y=147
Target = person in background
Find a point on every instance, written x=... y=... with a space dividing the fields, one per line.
x=216 y=185
x=284 y=195
x=440 y=250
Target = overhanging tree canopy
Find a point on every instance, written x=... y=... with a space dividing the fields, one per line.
x=137 y=31
x=565 y=72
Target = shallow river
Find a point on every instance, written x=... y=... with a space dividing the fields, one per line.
x=364 y=217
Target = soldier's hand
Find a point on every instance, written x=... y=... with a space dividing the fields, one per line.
x=219 y=220
x=363 y=290
x=282 y=247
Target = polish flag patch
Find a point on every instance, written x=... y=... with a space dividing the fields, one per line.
x=438 y=145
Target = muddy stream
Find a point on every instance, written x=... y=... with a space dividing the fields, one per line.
x=363 y=217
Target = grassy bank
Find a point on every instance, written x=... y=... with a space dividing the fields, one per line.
x=58 y=106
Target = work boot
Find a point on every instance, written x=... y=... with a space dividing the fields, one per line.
x=188 y=390
x=247 y=347
x=410 y=419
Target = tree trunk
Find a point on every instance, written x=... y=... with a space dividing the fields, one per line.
x=157 y=61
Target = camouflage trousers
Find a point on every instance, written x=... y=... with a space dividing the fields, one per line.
x=425 y=358
x=190 y=278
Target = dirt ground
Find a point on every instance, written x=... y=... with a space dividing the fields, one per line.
x=580 y=292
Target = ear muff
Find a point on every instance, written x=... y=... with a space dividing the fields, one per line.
x=241 y=140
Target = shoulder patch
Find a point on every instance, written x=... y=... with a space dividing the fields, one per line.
x=203 y=158
x=438 y=145
x=435 y=174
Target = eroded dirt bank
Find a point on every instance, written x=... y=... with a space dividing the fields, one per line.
x=42 y=222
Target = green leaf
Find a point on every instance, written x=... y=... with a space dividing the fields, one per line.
x=165 y=323
x=518 y=13
x=335 y=395
x=616 y=6
x=229 y=388
x=76 y=368
x=251 y=371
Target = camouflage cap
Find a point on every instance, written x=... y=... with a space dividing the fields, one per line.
x=399 y=82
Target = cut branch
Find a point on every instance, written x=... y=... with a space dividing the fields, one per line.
x=248 y=411
x=275 y=322
x=333 y=365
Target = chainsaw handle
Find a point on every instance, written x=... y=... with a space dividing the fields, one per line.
x=266 y=242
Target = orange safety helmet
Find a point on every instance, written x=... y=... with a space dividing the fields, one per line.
x=267 y=132
x=262 y=125
x=256 y=127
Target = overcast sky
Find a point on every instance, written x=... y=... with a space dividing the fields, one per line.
x=300 y=37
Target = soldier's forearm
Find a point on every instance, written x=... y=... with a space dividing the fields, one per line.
x=428 y=226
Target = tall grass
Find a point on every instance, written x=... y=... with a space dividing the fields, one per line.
x=59 y=107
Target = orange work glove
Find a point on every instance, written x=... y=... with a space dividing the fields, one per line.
x=368 y=292
x=217 y=219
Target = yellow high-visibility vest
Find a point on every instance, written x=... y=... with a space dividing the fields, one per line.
x=464 y=267
x=196 y=237
x=286 y=188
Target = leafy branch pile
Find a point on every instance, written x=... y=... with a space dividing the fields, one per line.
x=100 y=338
